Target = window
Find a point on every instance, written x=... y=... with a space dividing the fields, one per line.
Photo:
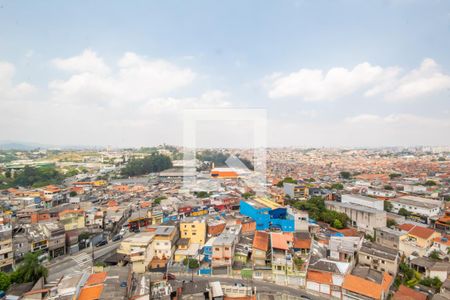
x=217 y=249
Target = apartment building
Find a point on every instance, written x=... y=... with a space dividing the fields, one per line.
x=296 y=191
x=6 y=248
x=361 y=217
x=223 y=250
x=418 y=239
x=260 y=248
x=164 y=241
x=421 y=209
x=193 y=229
x=379 y=257
x=388 y=237
x=56 y=236
x=363 y=200
x=72 y=219
x=139 y=250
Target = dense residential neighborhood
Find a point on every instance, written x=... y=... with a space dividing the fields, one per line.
x=353 y=229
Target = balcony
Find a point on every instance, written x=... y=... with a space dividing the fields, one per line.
x=6 y=250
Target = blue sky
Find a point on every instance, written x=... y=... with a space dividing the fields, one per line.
x=329 y=73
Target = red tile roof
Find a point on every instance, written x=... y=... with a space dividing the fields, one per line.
x=321 y=277
x=96 y=278
x=261 y=241
x=279 y=241
x=365 y=287
x=91 y=292
x=422 y=232
x=405 y=293
x=406 y=227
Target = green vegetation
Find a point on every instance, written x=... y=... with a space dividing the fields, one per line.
x=149 y=164
x=394 y=175
x=317 y=211
x=345 y=175
x=298 y=261
x=369 y=237
x=29 y=270
x=72 y=194
x=388 y=187
x=158 y=200
x=286 y=180
x=7 y=156
x=337 y=186
x=192 y=263
x=248 y=195
x=100 y=264
x=406 y=276
x=441 y=158
x=33 y=177
x=5 y=281
x=430 y=183
x=388 y=206
x=391 y=223
x=202 y=194
x=403 y=212
x=435 y=255
x=435 y=282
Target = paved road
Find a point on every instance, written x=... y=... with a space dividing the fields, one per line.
x=261 y=286
x=79 y=262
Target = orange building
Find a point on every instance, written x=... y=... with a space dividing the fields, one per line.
x=224 y=173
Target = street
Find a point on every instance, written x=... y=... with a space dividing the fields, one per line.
x=79 y=262
x=261 y=286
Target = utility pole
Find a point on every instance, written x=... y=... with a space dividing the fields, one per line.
x=93 y=254
x=150 y=286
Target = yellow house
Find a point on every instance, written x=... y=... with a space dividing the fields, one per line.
x=419 y=239
x=194 y=230
x=139 y=250
x=72 y=219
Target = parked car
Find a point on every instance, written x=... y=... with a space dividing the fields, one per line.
x=117 y=237
x=169 y=276
x=101 y=243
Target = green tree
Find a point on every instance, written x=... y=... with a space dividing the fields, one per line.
x=5 y=281
x=430 y=183
x=394 y=175
x=286 y=180
x=72 y=194
x=152 y=163
x=337 y=224
x=337 y=186
x=37 y=177
x=435 y=255
x=388 y=206
x=193 y=264
x=345 y=175
x=404 y=212
x=388 y=187
x=391 y=223
x=30 y=270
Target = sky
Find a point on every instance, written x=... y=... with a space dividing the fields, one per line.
x=327 y=73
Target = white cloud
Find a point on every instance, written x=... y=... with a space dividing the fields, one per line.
x=88 y=61
x=390 y=83
x=136 y=79
x=316 y=85
x=9 y=90
x=407 y=120
x=426 y=80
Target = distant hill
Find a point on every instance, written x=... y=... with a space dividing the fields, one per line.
x=20 y=146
